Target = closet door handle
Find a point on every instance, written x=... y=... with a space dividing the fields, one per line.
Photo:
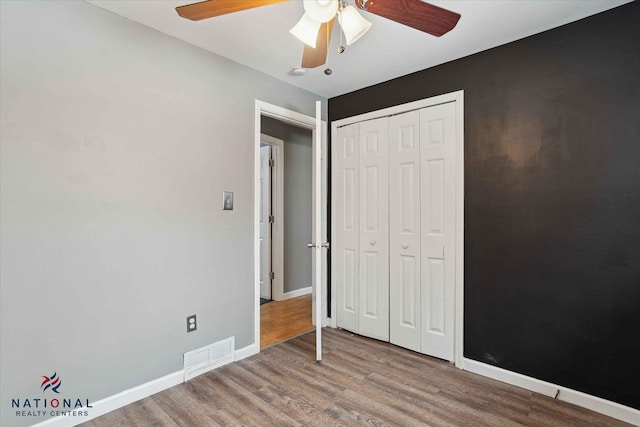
x=372 y=242
x=405 y=246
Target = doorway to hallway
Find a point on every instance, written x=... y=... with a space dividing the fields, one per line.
x=286 y=156
x=315 y=247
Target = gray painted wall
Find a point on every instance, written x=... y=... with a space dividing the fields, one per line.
x=298 y=157
x=116 y=142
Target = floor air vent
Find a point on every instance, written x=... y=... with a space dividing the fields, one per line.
x=207 y=358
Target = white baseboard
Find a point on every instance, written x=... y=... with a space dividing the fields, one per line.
x=245 y=352
x=575 y=397
x=294 y=294
x=134 y=394
x=119 y=400
x=565 y=394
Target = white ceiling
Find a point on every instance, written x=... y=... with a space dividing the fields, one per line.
x=259 y=38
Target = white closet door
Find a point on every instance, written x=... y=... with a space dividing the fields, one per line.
x=345 y=247
x=374 y=229
x=404 y=230
x=437 y=157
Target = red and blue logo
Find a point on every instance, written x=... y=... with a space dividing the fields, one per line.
x=52 y=383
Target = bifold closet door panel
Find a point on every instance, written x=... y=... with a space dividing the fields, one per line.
x=404 y=230
x=347 y=222
x=437 y=188
x=374 y=229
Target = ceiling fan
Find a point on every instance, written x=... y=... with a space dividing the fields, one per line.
x=314 y=28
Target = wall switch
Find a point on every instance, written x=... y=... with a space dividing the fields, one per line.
x=191 y=323
x=227 y=200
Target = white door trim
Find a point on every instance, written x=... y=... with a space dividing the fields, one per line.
x=458 y=98
x=277 y=228
x=296 y=119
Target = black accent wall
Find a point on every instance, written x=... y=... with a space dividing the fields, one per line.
x=552 y=199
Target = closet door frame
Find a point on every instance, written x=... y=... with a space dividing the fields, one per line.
x=458 y=98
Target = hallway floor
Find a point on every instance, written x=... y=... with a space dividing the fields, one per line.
x=281 y=320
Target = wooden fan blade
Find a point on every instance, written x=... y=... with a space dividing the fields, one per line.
x=211 y=8
x=311 y=57
x=414 y=13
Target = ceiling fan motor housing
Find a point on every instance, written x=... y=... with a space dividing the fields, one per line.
x=321 y=10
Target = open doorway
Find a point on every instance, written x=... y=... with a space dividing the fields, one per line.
x=286 y=156
x=317 y=248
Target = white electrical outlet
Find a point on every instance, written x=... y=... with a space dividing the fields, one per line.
x=191 y=323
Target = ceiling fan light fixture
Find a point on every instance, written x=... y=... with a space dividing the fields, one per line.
x=306 y=30
x=353 y=24
x=298 y=71
x=321 y=10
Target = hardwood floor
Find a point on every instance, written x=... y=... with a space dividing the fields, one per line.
x=280 y=320
x=359 y=382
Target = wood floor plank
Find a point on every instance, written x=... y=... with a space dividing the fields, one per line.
x=411 y=399
x=176 y=402
x=375 y=412
x=360 y=382
x=293 y=384
x=238 y=399
x=290 y=404
x=142 y=413
x=223 y=418
x=245 y=378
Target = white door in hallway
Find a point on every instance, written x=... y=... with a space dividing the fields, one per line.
x=265 y=224
x=438 y=190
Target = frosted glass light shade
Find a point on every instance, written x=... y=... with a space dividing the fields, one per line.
x=321 y=10
x=353 y=24
x=306 y=30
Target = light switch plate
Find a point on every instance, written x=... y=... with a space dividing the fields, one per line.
x=227 y=200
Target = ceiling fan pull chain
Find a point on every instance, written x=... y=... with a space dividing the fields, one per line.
x=341 y=47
